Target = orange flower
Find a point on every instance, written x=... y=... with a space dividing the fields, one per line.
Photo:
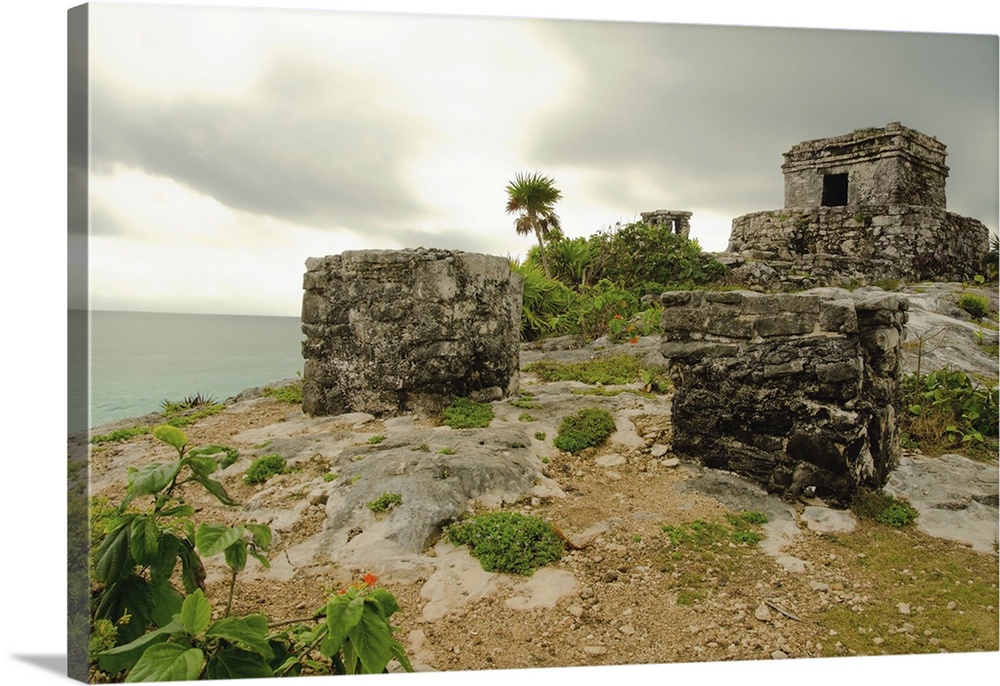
x=369 y=579
x=633 y=340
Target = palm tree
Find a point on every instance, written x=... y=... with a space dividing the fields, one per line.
x=533 y=198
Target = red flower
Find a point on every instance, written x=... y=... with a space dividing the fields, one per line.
x=369 y=579
x=633 y=340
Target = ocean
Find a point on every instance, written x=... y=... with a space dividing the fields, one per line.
x=140 y=359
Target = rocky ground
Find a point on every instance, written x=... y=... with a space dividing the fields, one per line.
x=623 y=593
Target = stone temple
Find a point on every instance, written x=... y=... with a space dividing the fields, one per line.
x=859 y=208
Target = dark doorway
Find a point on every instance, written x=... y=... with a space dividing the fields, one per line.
x=834 y=190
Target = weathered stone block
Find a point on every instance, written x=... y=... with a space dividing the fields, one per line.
x=392 y=331
x=808 y=406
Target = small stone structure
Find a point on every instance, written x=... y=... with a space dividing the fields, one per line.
x=678 y=221
x=798 y=392
x=860 y=207
x=396 y=331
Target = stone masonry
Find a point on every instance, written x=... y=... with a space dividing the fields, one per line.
x=859 y=208
x=798 y=392
x=396 y=331
x=679 y=221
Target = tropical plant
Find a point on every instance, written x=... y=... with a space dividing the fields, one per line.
x=976 y=305
x=533 y=198
x=144 y=628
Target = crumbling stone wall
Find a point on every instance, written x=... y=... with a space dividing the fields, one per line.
x=823 y=246
x=798 y=392
x=395 y=331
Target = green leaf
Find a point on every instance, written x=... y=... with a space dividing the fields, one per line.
x=385 y=601
x=167 y=602
x=167 y=662
x=249 y=632
x=132 y=596
x=202 y=466
x=196 y=613
x=236 y=555
x=342 y=615
x=235 y=663
x=178 y=511
x=400 y=655
x=125 y=656
x=215 y=488
x=261 y=559
x=261 y=534
x=144 y=540
x=371 y=639
x=192 y=569
x=112 y=558
x=152 y=478
x=212 y=539
x=170 y=435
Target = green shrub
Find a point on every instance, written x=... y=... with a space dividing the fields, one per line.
x=976 y=305
x=467 y=414
x=884 y=508
x=587 y=428
x=264 y=467
x=508 y=542
x=949 y=410
x=386 y=502
x=292 y=393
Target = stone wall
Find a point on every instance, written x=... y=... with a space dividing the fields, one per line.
x=395 y=331
x=836 y=245
x=796 y=392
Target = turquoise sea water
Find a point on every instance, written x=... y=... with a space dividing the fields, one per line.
x=139 y=359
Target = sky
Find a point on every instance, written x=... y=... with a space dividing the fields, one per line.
x=229 y=144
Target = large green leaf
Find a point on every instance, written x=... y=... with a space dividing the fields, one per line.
x=130 y=596
x=170 y=435
x=235 y=663
x=196 y=613
x=152 y=478
x=112 y=558
x=125 y=656
x=342 y=615
x=236 y=555
x=212 y=539
x=202 y=466
x=215 y=488
x=384 y=601
x=372 y=641
x=248 y=632
x=167 y=601
x=144 y=540
x=167 y=662
x=192 y=569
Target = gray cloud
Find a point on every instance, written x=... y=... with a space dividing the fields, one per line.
x=309 y=145
x=709 y=110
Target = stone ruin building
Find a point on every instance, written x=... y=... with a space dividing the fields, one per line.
x=678 y=221
x=861 y=207
x=395 y=331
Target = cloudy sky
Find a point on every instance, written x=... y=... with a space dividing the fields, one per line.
x=230 y=144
